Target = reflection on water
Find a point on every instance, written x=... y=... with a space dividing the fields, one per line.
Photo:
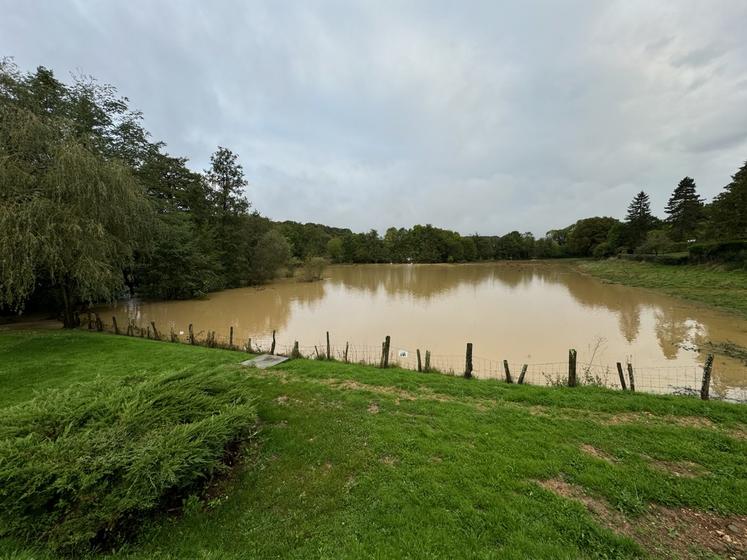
x=524 y=312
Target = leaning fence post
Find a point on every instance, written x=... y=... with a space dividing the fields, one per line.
x=230 y=337
x=571 y=368
x=272 y=348
x=191 y=335
x=705 y=388
x=384 y=363
x=420 y=366
x=156 y=335
x=506 y=369
x=427 y=361
x=329 y=355
x=522 y=374
x=622 y=376
x=630 y=376
x=114 y=323
x=468 y=362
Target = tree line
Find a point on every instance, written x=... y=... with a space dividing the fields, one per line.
x=92 y=208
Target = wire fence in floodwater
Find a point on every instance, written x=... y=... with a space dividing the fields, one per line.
x=678 y=380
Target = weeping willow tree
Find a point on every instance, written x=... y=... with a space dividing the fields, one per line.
x=71 y=219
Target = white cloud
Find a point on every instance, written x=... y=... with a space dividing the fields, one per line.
x=480 y=116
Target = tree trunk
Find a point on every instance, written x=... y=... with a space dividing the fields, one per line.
x=69 y=320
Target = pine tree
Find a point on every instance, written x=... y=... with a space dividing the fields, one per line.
x=729 y=208
x=685 y=210
x=639 y=219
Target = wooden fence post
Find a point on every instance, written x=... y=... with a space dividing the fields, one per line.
x=706 y=387
x=99 y=324
x=345 y=356
x=622 y=376
x=114 y=323
x=522 y=374
x=191 y=335
x=130 y=328
x=572 y=368
x=296 y=353
x=272 y=348
x=384 y=363
x=631 y=378
x=230 y=337
x=420 y=365
x=329 y=355
x=509 y=379
x=156 y=335
x=427 y=361
x=468 y=362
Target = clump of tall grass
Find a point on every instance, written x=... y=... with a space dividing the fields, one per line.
x=84 y=466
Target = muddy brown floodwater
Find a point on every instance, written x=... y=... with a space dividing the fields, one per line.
x=529 y=313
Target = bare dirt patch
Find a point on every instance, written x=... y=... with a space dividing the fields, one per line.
x=373 y=408
x=648 y=418
x=682 y=469
x=597 y=453
x=674 y=533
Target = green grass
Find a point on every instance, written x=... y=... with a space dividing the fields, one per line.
x=710 y=285
x=356 y=462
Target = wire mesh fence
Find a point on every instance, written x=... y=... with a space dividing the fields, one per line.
x=678 y=380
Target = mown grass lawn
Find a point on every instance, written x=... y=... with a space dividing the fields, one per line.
x=356 y=462
x=711 y=285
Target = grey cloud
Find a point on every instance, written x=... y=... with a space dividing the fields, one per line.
x=479 y=116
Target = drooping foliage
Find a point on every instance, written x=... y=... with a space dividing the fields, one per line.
x=71 y=218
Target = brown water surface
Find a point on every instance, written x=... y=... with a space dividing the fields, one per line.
x=523 y=312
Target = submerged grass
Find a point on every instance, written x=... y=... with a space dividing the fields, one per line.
x=359 y=462
x=712 y=285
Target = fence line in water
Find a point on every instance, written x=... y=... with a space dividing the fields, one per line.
x=682 y=380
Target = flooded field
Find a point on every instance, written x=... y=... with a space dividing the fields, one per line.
x=526 y=313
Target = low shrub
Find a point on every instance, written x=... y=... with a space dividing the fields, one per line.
x=84 y=466
x=665 y=258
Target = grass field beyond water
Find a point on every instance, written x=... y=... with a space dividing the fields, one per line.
x=712 y=285
x=356 y=462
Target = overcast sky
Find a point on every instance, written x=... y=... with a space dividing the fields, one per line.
x=477 y=116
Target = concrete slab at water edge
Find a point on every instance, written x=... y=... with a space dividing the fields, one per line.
x=265 y=361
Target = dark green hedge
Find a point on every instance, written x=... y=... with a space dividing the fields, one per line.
x=84 y=466
x=732 y=251
x=666 y=258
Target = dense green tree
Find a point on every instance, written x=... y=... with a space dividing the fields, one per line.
x=639 y=219
x=334 y=249
x=657 y=241
x=586 y=234
x=684 y=210
x=226 y=183
x=728 y=212
x=272 y=253
x=70 y=219
x=181 y=264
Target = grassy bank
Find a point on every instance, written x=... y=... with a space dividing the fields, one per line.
x=355 y=462
x=710 y=285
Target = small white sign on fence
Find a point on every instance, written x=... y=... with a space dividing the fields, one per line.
x=402 y=353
